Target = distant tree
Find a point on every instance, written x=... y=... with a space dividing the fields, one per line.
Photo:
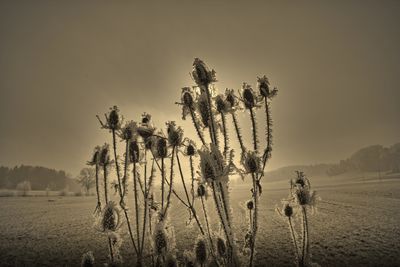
x=24 y=187
x=86 y=179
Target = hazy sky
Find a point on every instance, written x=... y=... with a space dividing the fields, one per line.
x=336 y=65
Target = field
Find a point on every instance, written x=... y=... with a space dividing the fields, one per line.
x=357 y=224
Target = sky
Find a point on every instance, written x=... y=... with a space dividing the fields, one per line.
x=336 y=65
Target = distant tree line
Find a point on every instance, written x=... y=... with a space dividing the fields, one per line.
x=374 y=158
x=40 y=178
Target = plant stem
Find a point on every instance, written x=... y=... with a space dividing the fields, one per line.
x=255 y=215
x=296 y=248
x=98 y=207
x=162 y=183
x=136 y=208
x=170 y=182
x=187 y=195
x=116 y=164
x=238 y=134
x=254 y=129
x=224 y=129
x=192 y=177
x=305 y=237
x=196 y=126
x=146 y=193
x=212 y=120
x=207 y=224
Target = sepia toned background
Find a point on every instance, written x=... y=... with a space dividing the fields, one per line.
x=335 y=63
x=336 y=117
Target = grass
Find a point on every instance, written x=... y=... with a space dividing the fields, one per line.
x=357 y=225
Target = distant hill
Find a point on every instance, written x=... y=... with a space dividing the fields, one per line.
x=375 y=158
x=39 y=177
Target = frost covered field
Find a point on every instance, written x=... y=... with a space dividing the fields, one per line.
x=357 y=224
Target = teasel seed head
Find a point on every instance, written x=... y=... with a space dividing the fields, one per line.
x=129 y=131
x=288 y=210
x=159 y=147
x=202 y=75
x=87 y=259
x=250 y=204
x=201 y=190
x=170 y=261
x=221 y=247
x=134 y=152
x=231 y=98
x=113 y=119
x=251 y=162
x=201 y=251
x=160 y=241
x=146 y=129
x=95 y=157
x=190 y=150
x=202 y=107
x=248 y=96
x=265 y=89
x=105 y=155
x=111 y=218
x=175 y=134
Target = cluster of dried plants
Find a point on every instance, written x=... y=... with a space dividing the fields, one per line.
x=153 y=157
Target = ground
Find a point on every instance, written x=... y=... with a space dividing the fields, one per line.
x=356 y=224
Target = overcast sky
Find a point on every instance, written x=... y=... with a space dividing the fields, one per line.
x=336 y=65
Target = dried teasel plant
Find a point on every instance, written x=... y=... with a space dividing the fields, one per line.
x=160 y=156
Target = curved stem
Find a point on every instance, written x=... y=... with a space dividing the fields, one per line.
x=255 y=215
x=197 y=127
x=238 y=134
x=192 y=177
x=224 y=129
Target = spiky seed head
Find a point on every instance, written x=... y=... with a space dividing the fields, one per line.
x=175 y=134
x=161 y=148
x=96 y=156
x=288 y=210
x=87 y=259
x=113 y=118
x=201 y=190
x=190 y=150
x=263 y=86
x=221 y=247
x=128 y=132
x=221 y=103
x=105 y=155
x=302 y=196
x=171 y=261
x=134 y=152
x=160 y=241
x=201 y=73
x=110 y=219
x=250 y=204
x=231 y=98
x=249 y=98
x=251 y=162
x=202 y=105
x=145 y=132
x=187 y=97
x=201 y=251
x=148 y=143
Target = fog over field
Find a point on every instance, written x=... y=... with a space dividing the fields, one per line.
x=208 y=133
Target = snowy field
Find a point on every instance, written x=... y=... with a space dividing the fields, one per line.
x=357 y=224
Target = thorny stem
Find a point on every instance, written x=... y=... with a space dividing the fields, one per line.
x=238 y=134
x=111 y=249
x=171 y=177
x=136 y=208
x=212 y=120
x=146 y=193
x=196 y=126
x=294 y=240
x=254 y=129
x=187 y=195
x=207 y=224
x=98 y=207
x=305 y=237
x=162 y=183
x=255 y=215
x=126 y=165
x=117 y=165
x=224 y=204
x=221 y=216
x=106 y=198
x=192 y=177
x=268 y=149
x=224 y=129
